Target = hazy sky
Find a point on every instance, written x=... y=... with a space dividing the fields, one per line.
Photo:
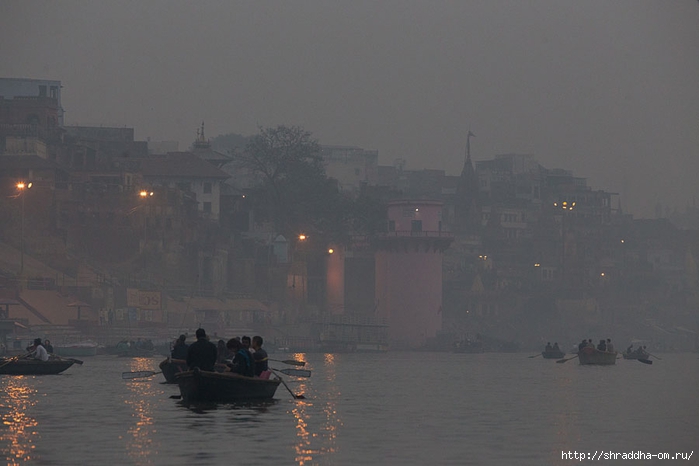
x=606 y=88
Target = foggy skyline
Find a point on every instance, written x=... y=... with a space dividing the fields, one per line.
x=607 y=89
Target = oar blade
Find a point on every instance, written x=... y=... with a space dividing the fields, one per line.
x=295 y=372
x=645 y=361
x=137 y=374
x=294 y=362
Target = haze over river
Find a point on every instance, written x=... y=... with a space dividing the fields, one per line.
x=361 y=409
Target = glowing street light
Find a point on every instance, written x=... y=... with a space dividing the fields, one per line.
x=22 y=187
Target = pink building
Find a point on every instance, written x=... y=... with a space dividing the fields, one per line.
x=409 y=272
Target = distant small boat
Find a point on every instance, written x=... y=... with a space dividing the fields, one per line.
x=225 y=387
x=636 y=355
x=593 y=356
x=468 y=346
x=18 y=366
x=85 y=348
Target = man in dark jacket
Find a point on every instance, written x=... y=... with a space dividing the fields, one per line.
x=180 y=349
x=259 y=357
x=202 y=353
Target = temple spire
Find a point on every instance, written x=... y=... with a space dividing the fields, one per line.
x=468 y=146
x=201 y=142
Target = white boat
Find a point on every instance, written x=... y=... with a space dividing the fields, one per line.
x=83 y=348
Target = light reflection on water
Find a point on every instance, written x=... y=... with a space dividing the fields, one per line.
x=395 y=408
x=142 y=443
x=18 y=433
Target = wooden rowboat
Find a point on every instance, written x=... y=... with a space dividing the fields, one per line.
x=16 y=366
x=552 y=354
x=636 y=355
x=593 y=356
x=225 y=387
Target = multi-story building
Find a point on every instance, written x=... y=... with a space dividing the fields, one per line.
x=351 y=166
x=24 y=87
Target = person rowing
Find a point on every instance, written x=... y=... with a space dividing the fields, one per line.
x=259 y=356
x=38 y=351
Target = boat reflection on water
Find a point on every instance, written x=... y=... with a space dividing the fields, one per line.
x=316 y=421
x=142 y=394
x=19 y=434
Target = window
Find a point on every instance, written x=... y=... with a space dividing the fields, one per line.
x=391 y=225
x=207 y=207
x=207 y=188
x=42 y=91
x=416 y=225
x=54 y=92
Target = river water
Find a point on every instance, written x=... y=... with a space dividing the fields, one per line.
x=361 y=409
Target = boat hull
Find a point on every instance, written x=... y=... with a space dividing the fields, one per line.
x=592 y=356
x=171 y=367
x=226 y=387
x=635 y=355
x=552 y=354
x=33 y=366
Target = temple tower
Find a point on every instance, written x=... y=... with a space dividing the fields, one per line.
x=409 y=272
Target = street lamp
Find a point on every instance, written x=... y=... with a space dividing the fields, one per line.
x=22 y=187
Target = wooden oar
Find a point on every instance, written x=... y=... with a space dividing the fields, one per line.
x=292 y=362
x=295 y=372
x=645 y=361
x=139 y=374
x=565 y=360
x=12 y=359
x=296 y=397
x=535 y=356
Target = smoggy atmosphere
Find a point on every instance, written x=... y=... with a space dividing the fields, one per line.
x=605 y=89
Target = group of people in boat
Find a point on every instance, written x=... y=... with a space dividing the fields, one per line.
x=603 y=345
x=39 y=350
x=244 y=356
x=638 y=352
x=552 y=349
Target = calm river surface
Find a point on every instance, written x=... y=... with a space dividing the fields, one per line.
x=361 y=409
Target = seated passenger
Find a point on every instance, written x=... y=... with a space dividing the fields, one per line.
x=242 y=360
